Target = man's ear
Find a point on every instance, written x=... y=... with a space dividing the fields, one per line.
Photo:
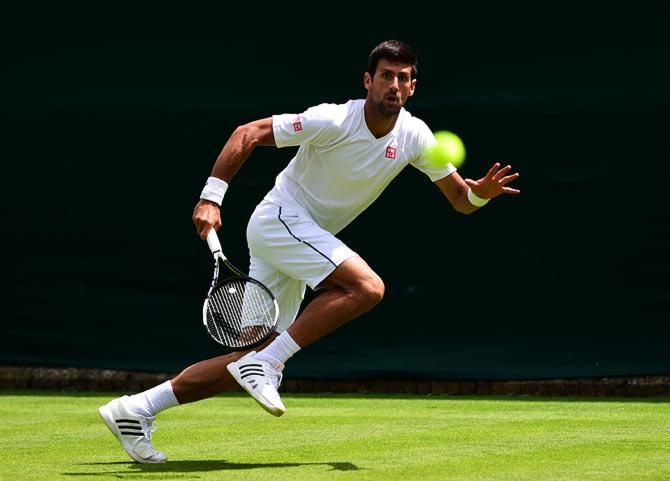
x=412 y=88
x=367 y=80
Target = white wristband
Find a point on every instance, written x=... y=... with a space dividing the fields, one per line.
x=475 y=199
x=214 y=190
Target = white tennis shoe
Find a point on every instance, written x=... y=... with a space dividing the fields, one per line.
x=259 y=379
x=132 y=431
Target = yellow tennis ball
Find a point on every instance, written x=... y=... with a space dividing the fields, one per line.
x=449 y=149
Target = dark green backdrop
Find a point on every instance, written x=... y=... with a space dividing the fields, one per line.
x=111 y=120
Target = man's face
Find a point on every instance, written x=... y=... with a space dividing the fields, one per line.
x=390 y=87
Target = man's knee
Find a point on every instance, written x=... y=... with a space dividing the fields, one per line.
x=355 y=277
x=370 y=288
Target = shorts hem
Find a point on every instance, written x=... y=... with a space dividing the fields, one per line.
x=315 y=284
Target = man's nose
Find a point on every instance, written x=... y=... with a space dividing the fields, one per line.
x=394 y=83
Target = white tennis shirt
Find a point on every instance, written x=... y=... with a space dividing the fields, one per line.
x=340 y=167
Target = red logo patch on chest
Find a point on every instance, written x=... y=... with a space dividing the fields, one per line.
x=297 y=124
x=390 y=153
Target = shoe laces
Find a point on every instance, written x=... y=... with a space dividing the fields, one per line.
x=148 y=426
x=276 y=380
x=274 y=375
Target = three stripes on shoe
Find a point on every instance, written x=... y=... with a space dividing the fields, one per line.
x=129 y=427
x=251 y=370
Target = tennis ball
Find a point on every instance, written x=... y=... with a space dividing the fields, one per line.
x=449 y=149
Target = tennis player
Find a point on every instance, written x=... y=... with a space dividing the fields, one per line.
x=347 y=155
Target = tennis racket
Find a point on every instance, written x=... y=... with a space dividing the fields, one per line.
x=239 y=312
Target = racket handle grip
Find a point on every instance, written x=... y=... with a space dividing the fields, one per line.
x=213 y=242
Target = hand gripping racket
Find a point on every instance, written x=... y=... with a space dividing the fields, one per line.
x=239 y=312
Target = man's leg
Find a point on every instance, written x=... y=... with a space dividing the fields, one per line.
x=353 y=289
x=207 y=378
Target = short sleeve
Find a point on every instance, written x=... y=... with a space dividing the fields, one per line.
x=425 y=139
x=317 y=125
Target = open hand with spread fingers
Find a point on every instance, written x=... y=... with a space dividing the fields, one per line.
x=494 y=183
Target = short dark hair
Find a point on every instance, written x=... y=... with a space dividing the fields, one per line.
x=393 y=51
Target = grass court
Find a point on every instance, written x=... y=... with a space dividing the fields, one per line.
x=59 y=436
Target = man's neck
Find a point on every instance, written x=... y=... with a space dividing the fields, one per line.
x=378 y=124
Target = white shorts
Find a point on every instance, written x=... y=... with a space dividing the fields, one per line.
x=288 y=250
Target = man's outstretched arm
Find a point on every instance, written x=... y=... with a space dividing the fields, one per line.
x=234 y=153
x=493 y=184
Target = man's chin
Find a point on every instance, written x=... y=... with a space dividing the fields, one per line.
x=388 y=110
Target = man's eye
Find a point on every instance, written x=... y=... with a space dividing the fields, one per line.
x=387 y=75
x=403 y=78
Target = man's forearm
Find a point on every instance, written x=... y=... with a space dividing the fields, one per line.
x=233 y=155
x=456 y=192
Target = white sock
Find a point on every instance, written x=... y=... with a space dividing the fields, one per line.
x=278 y=351
x=154 y=400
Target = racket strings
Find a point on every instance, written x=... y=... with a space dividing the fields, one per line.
x=240 y=313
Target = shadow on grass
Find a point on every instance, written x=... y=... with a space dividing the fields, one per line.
x=198 y=466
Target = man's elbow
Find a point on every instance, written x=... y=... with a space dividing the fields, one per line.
x=247 y=136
